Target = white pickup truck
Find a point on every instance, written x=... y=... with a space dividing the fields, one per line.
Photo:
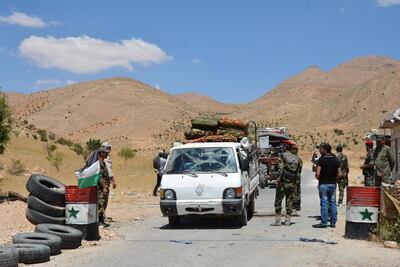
x=218 y=179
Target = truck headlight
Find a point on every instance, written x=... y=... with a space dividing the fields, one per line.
x=230 y=193
x=169 y=194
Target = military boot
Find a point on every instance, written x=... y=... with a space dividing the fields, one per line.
x=287 y=222
x=277 y=221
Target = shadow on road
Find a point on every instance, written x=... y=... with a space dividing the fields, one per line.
x=191 y=223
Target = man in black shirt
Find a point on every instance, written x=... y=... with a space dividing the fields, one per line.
x=327 y=173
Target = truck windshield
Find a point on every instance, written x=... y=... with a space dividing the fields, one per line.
x=202 y=160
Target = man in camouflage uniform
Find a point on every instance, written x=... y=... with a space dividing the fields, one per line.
x=103 y=188
x=287 y=176
x=344 y=169
x=383 y=161
x=368 y=166
x=297 y=191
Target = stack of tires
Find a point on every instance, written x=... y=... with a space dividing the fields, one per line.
x=37 y=247
x=46 y=201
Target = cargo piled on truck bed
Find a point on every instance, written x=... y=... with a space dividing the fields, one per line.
x=216 y=129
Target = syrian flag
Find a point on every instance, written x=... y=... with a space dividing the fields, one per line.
x=362 y=214
x=89 y=176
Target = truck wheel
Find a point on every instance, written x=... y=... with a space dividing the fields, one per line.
x=242 y=218
x=174 y=220
x=251 y=207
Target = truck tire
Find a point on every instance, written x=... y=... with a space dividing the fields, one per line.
x=71 y=237
x=47 y=189
x=47 y=209
x=251 y=207
x=242 y=218
x=32 y=253
x=174 y=220
x=35 y=217
x=8 y=257
x=52 y=241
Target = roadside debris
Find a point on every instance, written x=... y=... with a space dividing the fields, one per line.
x=390 y=244
x=315 y=240
x=181 y=242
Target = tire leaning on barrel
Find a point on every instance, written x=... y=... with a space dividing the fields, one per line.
x=71 y=237
x=36 y=217
x=36 y=204
x=8 y=257
x=32 y=253
x=47 y=189
x=52 y=241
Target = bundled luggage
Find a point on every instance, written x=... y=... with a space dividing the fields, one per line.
x=216 y=129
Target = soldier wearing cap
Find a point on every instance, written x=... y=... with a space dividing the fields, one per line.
x=297 y=191
x=368 y=166
x=383 y=161
x=344 y=172
x=287 y=178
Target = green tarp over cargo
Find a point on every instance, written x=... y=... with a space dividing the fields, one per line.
x=205 y=123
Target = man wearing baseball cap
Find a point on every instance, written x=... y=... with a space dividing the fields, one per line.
x=368 y=166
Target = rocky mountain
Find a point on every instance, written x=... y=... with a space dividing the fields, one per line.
x=206 y=103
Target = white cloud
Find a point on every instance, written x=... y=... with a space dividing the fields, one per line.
x=23 y=19
x=46 y=83
x=385 y=3
x=197 y=61
x=84 y=54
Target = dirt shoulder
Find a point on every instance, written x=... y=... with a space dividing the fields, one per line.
x=122 y=209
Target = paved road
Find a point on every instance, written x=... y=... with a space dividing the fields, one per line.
x=205 y=242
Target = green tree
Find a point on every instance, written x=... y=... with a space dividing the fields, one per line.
x=50 y=148
x=43 y=135
x=127 y=153
x=56 y=159
x=93 y=144
x=78 y=149
x=5 y=122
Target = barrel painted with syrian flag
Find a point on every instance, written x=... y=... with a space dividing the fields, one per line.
x=362 y=211
x=81 y=210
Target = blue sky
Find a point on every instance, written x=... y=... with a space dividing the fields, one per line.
x=234 y=51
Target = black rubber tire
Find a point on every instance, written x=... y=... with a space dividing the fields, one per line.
x=32 y=253
x=174 y=220
x=36 y=204
x=242 y=218
x=52 y=241
x=71 y=237
x=36 y=217
x=8 y=257
x=251 y=207
x=47 y=189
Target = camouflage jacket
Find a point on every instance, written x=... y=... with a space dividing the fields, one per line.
x=104 y=172
x=383 y=160
x=369 y=160
x=289 y=170
x=344 y=162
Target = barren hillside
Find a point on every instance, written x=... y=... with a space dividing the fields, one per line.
x=120 y=110
x=206 y=103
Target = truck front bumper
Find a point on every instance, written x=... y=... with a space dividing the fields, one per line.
x=202 y=207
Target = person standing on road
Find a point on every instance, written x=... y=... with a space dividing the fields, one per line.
x=344 y=171
x=103 y=188
x=287 y=176
x=297 y=190
x=107 y=147
x=315 y=156
x=368 y=166
x=327 y=173
x=158 y=165
x=383 y=161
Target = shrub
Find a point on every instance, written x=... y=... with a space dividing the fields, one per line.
x=389 y=228
x=93 y=144
x=35 y=136
x=5 y=122
x=25 y=122
x=127 y=153
x=31 y=126
x=64 y=142
x=52 y=136
x=338 y=131
x=77 y=148
x=55 y=159
x=17 y=167
x=50 y=148
x=43 y=135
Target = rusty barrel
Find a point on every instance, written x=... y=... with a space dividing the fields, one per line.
x=81 y=210
x=362 y=210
